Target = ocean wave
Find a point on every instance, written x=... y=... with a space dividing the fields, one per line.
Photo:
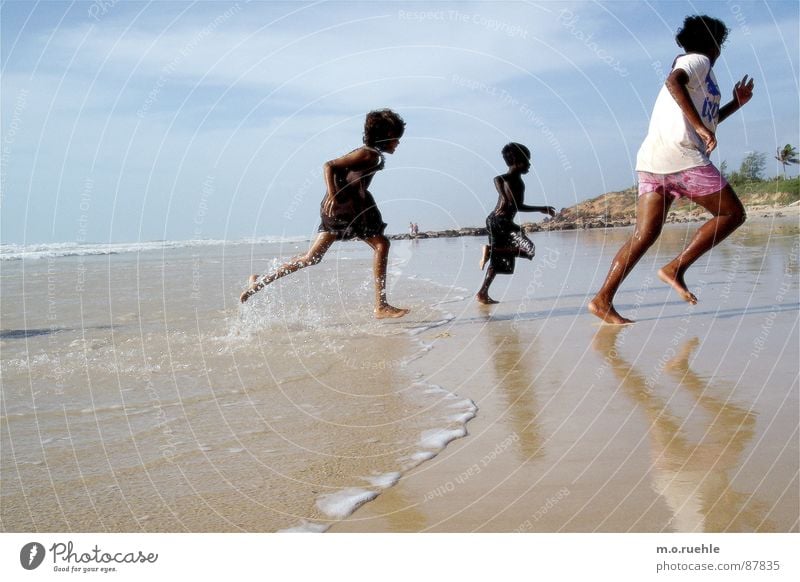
x=15 y=252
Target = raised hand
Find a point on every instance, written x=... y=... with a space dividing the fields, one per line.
x=743 y=91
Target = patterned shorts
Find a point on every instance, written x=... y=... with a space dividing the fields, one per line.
x=692 y=183
x=505 y=233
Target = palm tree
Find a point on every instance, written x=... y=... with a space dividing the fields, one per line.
x=787 y=156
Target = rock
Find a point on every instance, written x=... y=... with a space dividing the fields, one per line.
x=472 y=231
x=530 y=227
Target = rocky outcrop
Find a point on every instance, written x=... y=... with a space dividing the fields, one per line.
x=467 y=231
x=615 y=210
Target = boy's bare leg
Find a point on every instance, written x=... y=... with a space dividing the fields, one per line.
x=483 y=292
x=484 y=256
x=313 y=256
x=728 y=214
x=651 y=212
x=380 y=244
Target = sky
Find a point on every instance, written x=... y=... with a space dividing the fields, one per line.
x=128 y=121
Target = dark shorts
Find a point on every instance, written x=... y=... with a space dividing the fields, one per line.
x=365 y=224
x=506 y=234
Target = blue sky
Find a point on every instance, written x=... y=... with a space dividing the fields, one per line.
x=135 y=121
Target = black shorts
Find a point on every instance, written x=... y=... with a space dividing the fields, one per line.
x=364 y=224
x=506 y=234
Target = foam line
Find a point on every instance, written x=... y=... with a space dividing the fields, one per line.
x=342 y=503
x=306 y=527
x=14 y=252
x=438 y=439
x=385 y=480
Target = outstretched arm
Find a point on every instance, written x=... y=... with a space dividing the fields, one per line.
x=549 y=210
x=676 y=83
x=360 y=158
x=742 y=93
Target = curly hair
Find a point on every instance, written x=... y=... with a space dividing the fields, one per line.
x=701 y=33
x=382 y=124
x=515 y=152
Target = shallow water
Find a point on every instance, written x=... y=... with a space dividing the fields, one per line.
x=139 y=396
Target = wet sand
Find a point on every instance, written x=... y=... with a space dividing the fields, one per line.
x=686 y=421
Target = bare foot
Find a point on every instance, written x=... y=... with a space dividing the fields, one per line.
x=671 y=277
x=485 y=299
x=249 y=291
x=681 y=360
x=605 y=311
x=484 y=257
x=387 y=312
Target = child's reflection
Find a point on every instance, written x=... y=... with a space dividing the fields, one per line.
x=693 y=478
x=511 y=358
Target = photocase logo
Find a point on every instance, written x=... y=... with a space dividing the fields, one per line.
x=32 y=555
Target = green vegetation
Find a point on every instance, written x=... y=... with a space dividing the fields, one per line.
x=748 y=182
x=787 y=156
x=619 y=205
x=753 y=188
x=774 y=191
x=751 y=170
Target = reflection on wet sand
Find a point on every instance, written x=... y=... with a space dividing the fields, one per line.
x=511 y=359
x=693 y=478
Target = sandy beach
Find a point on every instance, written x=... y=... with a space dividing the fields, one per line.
x=686 y=421
x=139 y=396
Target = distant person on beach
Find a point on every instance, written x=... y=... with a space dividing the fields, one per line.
x=348 y=209
x=506 y=239
x=673 y=162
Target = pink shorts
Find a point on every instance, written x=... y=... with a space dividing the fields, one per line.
x=692 y=183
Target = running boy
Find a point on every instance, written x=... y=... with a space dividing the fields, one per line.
x=673 y=162
x=506 y=240
x=348 y=209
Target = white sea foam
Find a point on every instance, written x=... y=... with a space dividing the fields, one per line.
x=463 y=418
x=342 y=503
x=462 y=410
x=15 y=252
x=428 y=325
x=306 y=527
x=420 y=456
x=385 y=480
x=438 y=438
x=433 y=441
